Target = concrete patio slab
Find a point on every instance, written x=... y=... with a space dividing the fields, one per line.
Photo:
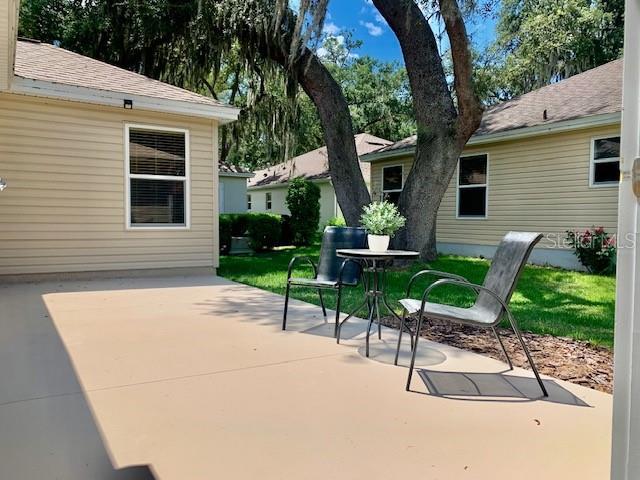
x=193 y=378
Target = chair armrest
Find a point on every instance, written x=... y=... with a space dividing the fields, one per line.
x=435 y=273
x=466 y=284
x=344 y=264
x=295 y=260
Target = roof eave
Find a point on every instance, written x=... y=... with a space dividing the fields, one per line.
x=285 y=184
x=515 y=134
x=40 y=88
x=236 y=174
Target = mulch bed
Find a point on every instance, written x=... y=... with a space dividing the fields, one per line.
x=563 y=358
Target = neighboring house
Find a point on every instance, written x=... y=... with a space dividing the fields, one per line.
x=267 y=190
x=105 y=169
x=546 y=161
x=232 y=188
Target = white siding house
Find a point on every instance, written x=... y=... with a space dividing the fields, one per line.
x=267 y=190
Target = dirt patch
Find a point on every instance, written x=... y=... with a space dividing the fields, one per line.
x=558 y=357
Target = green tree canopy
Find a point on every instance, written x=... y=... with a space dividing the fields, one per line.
x=544 y=41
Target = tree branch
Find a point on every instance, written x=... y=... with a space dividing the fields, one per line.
x=433 y=107
x=469 y=106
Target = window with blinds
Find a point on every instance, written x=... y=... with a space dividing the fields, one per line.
x=157 y=183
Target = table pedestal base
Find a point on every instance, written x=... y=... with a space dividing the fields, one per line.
x=374 y=272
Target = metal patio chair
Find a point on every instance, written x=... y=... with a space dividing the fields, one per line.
x=332 y=272
x=492 y=298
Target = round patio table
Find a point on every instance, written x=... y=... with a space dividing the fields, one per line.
x=374 y=267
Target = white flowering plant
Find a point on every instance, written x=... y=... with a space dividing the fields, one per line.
x=382 y=218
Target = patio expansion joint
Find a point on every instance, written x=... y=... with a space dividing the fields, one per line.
x=212 y=373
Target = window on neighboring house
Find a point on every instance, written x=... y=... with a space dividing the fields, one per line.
x=157 y=177
x=248 y=202
x=392 y=183
x=605 y=161
x=472 y=186
x=267 y=201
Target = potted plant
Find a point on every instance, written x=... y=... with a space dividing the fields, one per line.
x=381 y=220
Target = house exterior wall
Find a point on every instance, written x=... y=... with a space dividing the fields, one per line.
x=328 y=204
x=232 y=194
x=8 y=20
x=64 y=207
x=535 y=184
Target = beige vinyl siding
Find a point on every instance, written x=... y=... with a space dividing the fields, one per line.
x=8 y=19
x=537 y=184
x=64 y=207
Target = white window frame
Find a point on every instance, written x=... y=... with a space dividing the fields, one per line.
x=268 y=201
x=593 y=161
x=485 y=185
x=186 y=178
x=249 y=200
x=382 y=190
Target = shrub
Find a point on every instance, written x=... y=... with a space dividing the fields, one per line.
x=303 y=201
x=239 y=223
x=264 y=231
x=287 y=230
x=225 y=234
x=336 y=222
x=382 y=218
x=595 y=249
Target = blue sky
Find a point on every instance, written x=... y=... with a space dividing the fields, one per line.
x=367 y=25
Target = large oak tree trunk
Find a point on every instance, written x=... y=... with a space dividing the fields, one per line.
x=442 y=130
x=344 y=165
x=335 y=117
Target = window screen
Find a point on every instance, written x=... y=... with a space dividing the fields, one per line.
x=392 y=183
x=606 y=161
x=157 y=178
x=472 y=186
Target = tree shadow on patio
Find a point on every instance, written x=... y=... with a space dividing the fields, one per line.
x=493 y=387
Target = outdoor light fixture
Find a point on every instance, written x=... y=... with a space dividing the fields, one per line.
x=128 y=104
x=3 y=184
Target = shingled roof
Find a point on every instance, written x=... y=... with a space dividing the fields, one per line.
x=313 y=165
x=228 y=169
x=595 y=92
x=44 y=62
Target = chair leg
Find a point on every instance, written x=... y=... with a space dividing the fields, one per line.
x=324 y=310
x=415 y=350
x=516 y=330
x=286 y=307
x=338 y=301
x=504 y=350
x=402 y=320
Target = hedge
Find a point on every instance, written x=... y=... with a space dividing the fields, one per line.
x=225 y=234
x=264 y=230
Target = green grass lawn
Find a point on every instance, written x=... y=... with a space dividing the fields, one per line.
x=547 y=300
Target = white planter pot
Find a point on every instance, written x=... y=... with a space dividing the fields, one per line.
x=378 y=243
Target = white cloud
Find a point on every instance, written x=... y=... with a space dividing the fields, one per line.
x=379 y=18
x=330 y=28
x=373 y=29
